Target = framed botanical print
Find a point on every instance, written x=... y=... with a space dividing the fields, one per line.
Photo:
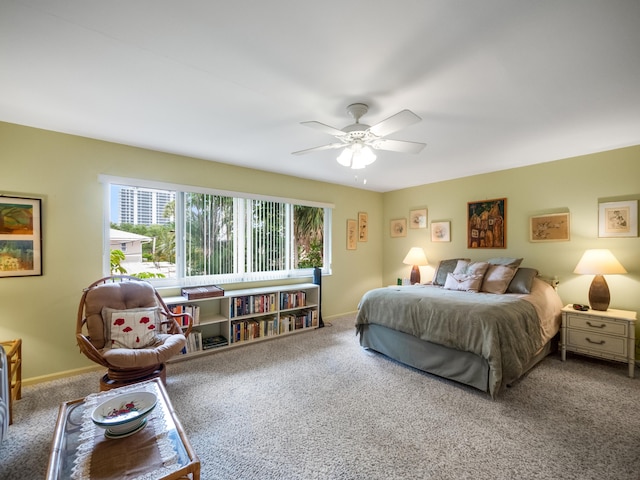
x=618 y=219
x=487 y=223
x=352 y=234
x=418 y=218
x=20 y=237
x=440 y=231
x=363 y=227
x=552 y=227
x=399 y=227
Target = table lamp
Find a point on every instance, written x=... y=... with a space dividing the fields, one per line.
x=599 y=262
x=415 y=257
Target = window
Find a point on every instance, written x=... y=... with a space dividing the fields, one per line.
x=190 y=237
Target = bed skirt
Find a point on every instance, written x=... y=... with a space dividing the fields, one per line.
x=463 y=367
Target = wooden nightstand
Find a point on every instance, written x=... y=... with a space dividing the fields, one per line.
x=610 y=335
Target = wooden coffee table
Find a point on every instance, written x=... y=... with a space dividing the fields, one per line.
x=160 y=450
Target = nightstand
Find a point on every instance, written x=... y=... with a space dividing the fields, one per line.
x=610 y=335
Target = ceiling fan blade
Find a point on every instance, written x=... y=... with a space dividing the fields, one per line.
x=398 y=146
x=394 y=123
x=330 y=146
x=324 y=128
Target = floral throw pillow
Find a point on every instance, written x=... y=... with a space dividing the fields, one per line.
x=132 y=328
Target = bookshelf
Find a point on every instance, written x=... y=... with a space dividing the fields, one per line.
x=248 y=315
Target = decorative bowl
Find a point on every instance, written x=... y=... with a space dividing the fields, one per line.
x=124 y=414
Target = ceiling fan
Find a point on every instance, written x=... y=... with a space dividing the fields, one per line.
x=358 y=139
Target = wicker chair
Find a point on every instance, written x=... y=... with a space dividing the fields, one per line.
x=121 y=295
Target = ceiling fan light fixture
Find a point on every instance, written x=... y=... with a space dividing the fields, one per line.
x=356 y=156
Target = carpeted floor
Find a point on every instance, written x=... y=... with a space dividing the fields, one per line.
x=317 y=406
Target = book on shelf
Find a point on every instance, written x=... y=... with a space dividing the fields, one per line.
x=209 y=291
x=214 y=342
x=183 y=320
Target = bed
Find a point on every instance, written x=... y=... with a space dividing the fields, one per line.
x=483 y=324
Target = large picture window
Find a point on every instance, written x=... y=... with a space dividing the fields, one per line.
x=174 y=235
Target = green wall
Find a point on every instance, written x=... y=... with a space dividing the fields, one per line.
x=574 y=185
x=63 y=170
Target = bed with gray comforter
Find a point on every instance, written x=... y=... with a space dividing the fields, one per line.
x=480 y=339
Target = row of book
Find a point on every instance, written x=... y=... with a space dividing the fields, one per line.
x=197 y=343
x=193 y=310
x=293 y=299
x=251 y=304
x=269 y=326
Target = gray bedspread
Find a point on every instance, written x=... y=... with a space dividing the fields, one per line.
x=503 y=329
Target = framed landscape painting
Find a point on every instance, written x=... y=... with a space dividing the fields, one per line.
x=20 y=237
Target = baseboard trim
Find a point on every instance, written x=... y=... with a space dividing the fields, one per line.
x=58 y=375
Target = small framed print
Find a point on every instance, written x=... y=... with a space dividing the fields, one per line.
x=440 y=231
x=352 y=234
x=418 y=218
x=399 y=227
x=618 y=219
x=363 y=227
x=552 y=227
x=20 y=237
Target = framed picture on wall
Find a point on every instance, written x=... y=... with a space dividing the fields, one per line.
x=363 y=227
x=352 y=234
x=440 y=231
x=418 y=218
x=487 y=223
x=20 y=237
x=399 y=227
x=552 y=227
x=618 y=219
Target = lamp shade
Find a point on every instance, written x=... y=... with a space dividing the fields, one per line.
x=599 y=261
x=415 y=257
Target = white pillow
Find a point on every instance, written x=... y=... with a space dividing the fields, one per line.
x=463 y=282
x=132 y=328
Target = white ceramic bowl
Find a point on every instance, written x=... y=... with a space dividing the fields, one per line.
x=124 y=414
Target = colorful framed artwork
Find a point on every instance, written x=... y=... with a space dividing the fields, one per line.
x=552 y=227
x=618 y=219
x=20 y=237
x=418 y=218
x=352 y=234
x=399 y=227
x=363 y=227
x=487 y=223
x=440 y=231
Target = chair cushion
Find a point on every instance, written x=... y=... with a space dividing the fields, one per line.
x=130 y=358
x=132 y=328
x=119 y=296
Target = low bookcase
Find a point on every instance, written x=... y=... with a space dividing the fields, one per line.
x=248 y=315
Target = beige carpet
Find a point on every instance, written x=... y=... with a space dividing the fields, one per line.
x=317 y=406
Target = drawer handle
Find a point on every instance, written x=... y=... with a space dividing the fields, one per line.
x=596 y=326
x=601 y=342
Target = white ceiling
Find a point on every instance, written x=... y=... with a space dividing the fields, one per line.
x=498 y=83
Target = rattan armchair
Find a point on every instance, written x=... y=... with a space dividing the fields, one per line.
x=120 y=295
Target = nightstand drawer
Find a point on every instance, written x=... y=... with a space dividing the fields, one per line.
x=597 y=343
x=597 y=324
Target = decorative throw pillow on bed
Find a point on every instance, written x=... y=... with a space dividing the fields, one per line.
x=463 y=282
x=497 y=279
x=131 y=328
x=445 y=267
x=506 y=261
x=466 y=267
x=522 y=280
